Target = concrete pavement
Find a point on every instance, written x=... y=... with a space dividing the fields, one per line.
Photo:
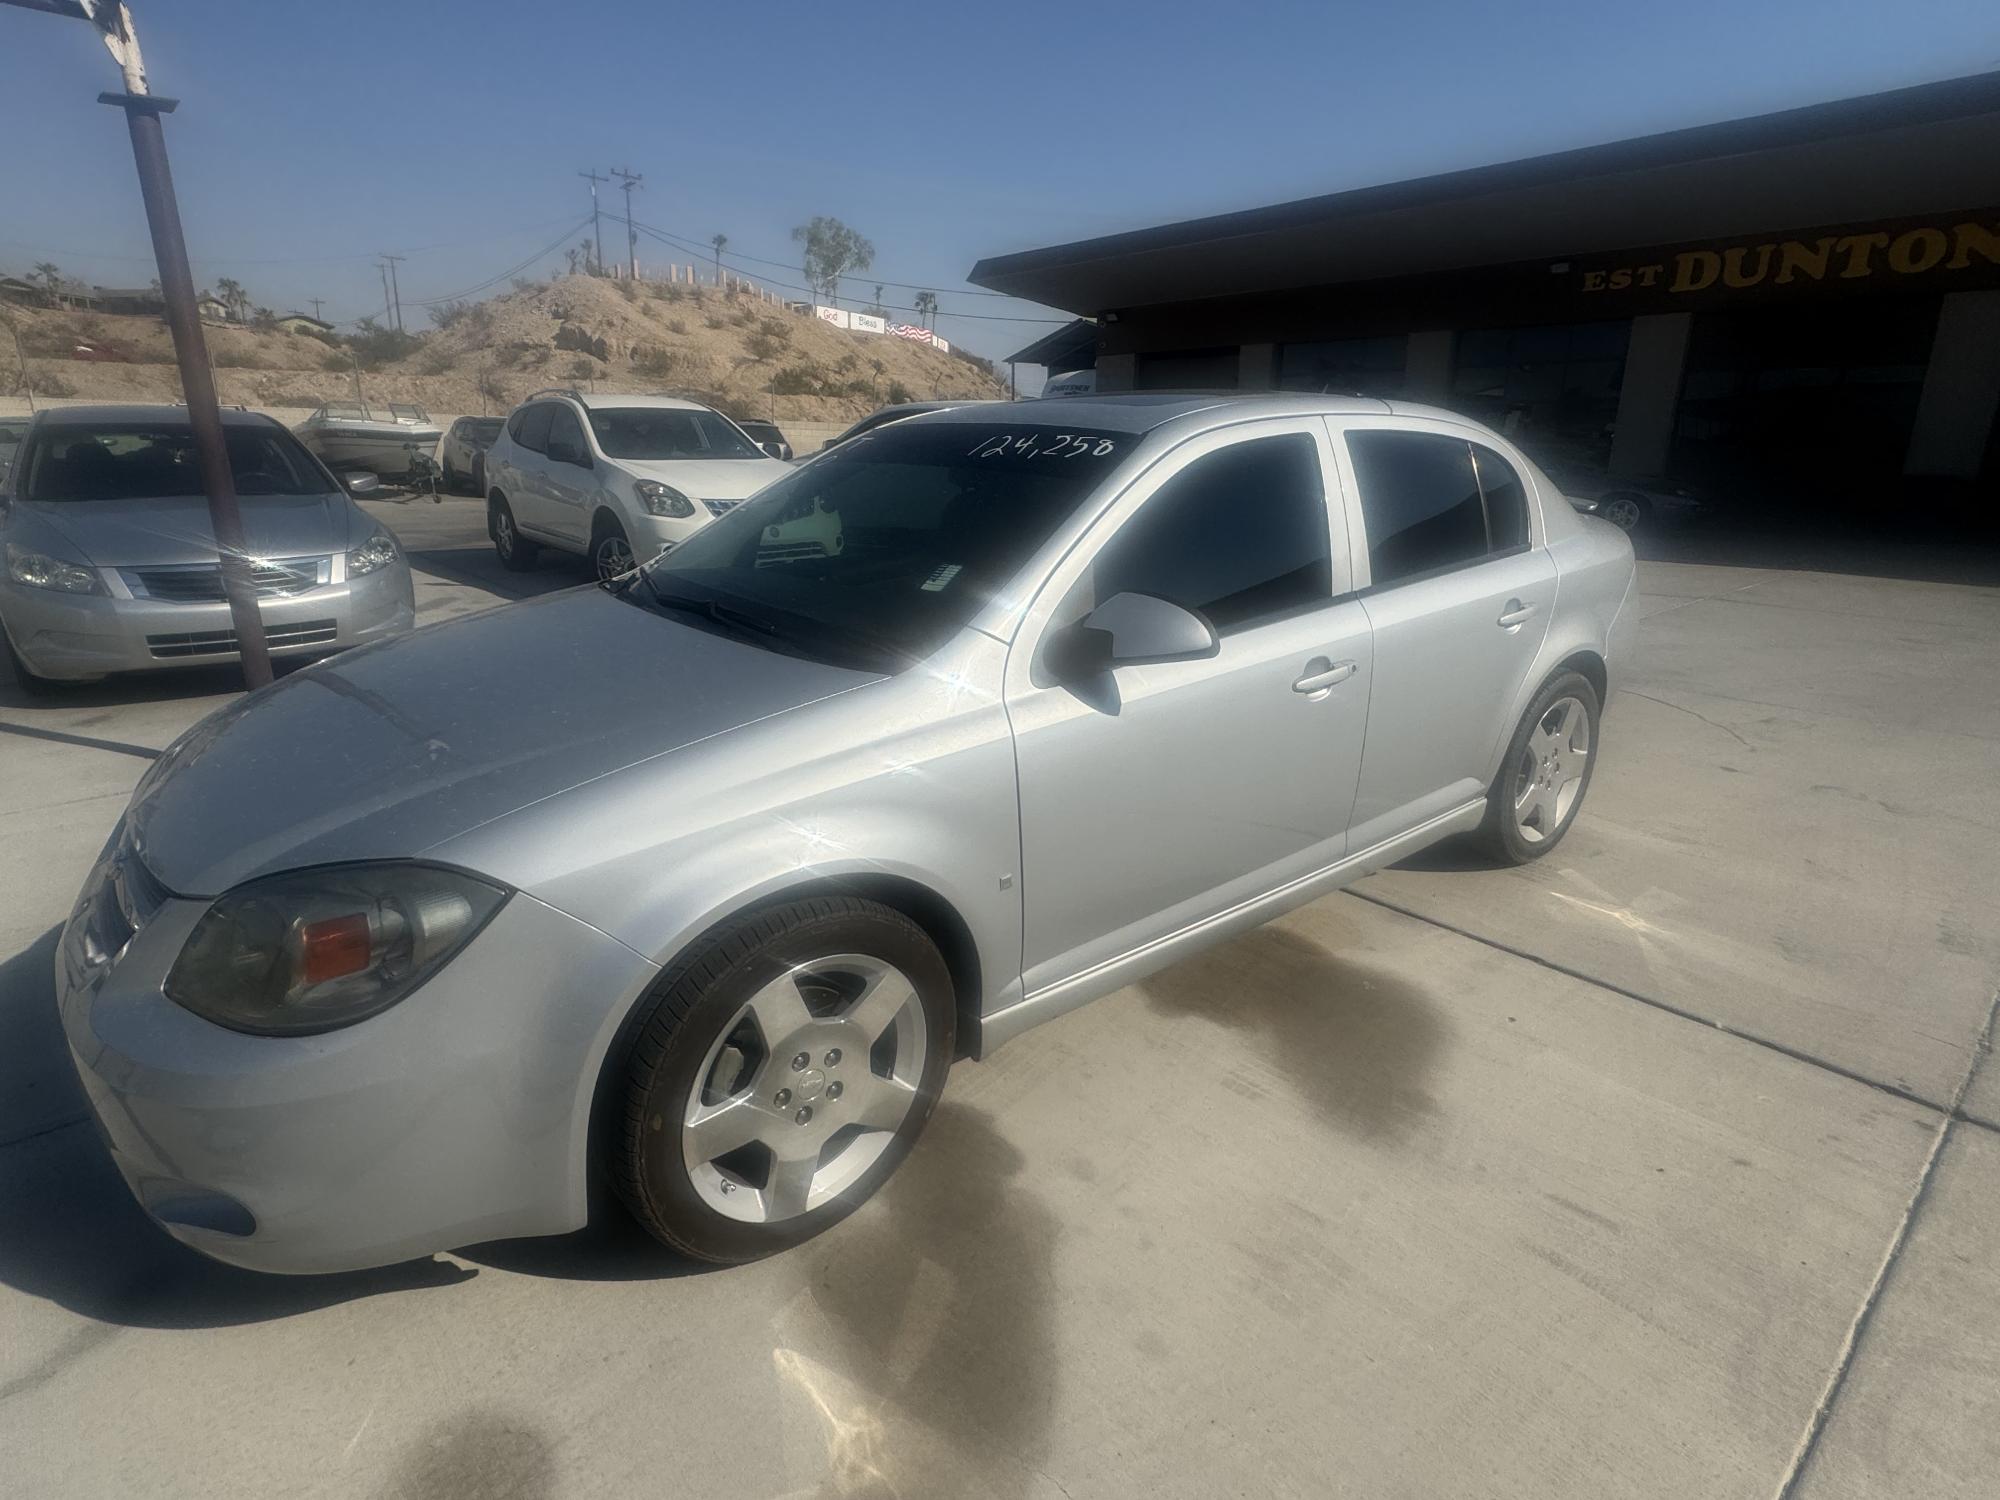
x=1654 y=1169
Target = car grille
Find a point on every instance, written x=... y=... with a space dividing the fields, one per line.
x=201 y=583
x=221 y=642
x=720 y=507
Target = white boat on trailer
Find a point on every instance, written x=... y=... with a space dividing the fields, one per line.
x=352 y=435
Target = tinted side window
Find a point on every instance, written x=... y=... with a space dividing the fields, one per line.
x=1239 y=535
x=530 y=427
x=563 y=425
x=1506 y=500
x=1421 y=501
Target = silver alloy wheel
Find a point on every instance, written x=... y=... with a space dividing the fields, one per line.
x=614 y=556
x=799 y=1096
x=1622 y=511
x=1550 y=774
x=503 y=532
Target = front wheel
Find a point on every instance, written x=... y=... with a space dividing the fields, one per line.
x=610 y=549
x=1547 y=769
x=1625 y=511
x=784 y=1070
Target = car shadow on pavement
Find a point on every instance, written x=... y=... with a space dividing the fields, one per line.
x=1357 y=1044
x=479 y=568
x=73 y=1234
x=132 y=687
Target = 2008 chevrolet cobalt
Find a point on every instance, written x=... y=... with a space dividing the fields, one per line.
x=704 y=876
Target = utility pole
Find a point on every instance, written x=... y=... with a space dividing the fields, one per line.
x=388 y=314
x=596 y=228
x=163 y=218
x=316 y=302
x=395 y=289
x=629 y=179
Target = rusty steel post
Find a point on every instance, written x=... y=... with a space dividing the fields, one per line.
x=163 y=218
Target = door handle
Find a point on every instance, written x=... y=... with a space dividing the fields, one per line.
x=1516 y=613
x=1322 y=674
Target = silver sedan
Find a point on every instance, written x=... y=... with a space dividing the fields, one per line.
x=703 y=877
x=110 y=562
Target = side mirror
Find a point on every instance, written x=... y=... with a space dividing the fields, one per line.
x=778 y=451
x=360 y=482
x=1127 y=630
x=563 y=451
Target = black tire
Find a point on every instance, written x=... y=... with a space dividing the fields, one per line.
x=516 y=553
x=1500 y=834
x=1625 y=510
x=607 y=532
x=699 y=995
x=478 y=473
x=449 y=479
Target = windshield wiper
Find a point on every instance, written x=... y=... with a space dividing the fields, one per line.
x=721 y=614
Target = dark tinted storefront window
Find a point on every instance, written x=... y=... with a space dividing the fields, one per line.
x=1553 y=389
x=1189 y=370
x=1365 y=367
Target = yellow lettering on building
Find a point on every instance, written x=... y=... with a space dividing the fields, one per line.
x=1794 y=257
x=1917 y=250
x=1695 y=269
x=1967 y=238
x=1593 y=281
x=1858 y=248
x=1733 y=273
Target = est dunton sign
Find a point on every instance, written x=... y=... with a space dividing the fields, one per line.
x=1890 y=253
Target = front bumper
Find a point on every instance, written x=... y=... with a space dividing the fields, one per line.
x=459 y=1115
x=81 y=636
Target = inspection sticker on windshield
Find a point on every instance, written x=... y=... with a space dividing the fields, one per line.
x=935 y=584
x=1041 y=443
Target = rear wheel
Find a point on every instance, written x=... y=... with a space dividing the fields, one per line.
x=452 y=480
x=783 y=1072
x=517 y=554
x=1623 y=510
x=1547 y=769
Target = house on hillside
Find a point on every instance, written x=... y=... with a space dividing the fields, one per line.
x=212 y=308
x=297 y=322
x=140 y=301
x=19 y=289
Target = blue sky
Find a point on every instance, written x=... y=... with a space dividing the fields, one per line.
x=311 y=137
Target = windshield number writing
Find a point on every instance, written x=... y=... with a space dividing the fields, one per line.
x=1034 y=445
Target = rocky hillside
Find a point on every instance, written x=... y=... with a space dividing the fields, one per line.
x=745 y=355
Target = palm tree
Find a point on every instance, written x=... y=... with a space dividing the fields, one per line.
x=50 y=275
x=719 y=241
x=927 y=306
x=233 y=296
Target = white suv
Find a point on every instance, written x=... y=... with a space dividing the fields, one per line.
x=617 y=479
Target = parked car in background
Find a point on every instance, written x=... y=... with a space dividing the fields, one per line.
x=767 y=436
x=462 y=453
x=901 y=410
x=703 y=879
x=350 y=435
x=617 y=479
x=111 y=562
x=1625 y=502
x=12 y=430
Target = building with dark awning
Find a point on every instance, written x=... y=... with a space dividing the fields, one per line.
x=1715 y=303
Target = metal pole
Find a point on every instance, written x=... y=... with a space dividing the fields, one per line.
x=163 y=218
x=388 y=316
x=27 y=380
x=630 y=180
x=395 y=289
x=596 y=227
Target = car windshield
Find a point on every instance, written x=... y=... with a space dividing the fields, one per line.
x=406 y=413
x=353 y=411
x=481 y=427
x=879 y=553
x=668 y=432
x=144 y=461
x=13 y=432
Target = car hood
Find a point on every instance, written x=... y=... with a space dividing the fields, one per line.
x=711 y=479
x=176 y=529
x=390 y=750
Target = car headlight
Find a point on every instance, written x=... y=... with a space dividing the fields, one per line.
x=377 y=552
x=663 y=499
x=314 y=950
x=39 y=571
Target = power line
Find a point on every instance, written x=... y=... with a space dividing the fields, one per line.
x=224 y=262
x=869 y=280
x=548 y=249
x=668 y=239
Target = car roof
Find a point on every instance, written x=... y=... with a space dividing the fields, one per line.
x=591 y=400
x=1142 y=411
x=132 y=412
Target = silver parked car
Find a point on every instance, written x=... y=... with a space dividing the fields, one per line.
x=110 y=557
x=617 y=479
x=706 y=875
x=462 y=453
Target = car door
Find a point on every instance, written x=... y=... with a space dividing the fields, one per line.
x=526 y=482
x=1459 y=590
x=571 y=486
x=1175 y=790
